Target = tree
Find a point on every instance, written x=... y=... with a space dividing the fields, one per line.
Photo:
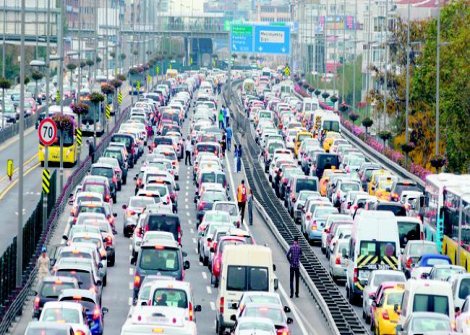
x=385 y=135
x=367 y=122
x=353 y=116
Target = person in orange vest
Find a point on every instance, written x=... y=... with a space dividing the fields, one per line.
x=241 y=198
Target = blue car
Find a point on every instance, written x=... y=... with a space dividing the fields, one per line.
x=90 y=303
x=425 y=264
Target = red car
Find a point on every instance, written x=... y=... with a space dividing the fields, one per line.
x=218 y=248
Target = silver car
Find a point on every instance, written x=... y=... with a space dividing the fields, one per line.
x=337 y=263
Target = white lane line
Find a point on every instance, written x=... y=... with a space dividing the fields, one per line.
x=130 y=247
x=131 y=271
x=209 y=290
x=194 y=240
x=187 y=193
x=195 y=249
x=204 y=275
x=186 y=206
x=131 y=285
x=188 y=214
x=191 y=230
x=294 y=311
x=129 y=301
x=190 y=222
x=212 y=305
x=186 y=200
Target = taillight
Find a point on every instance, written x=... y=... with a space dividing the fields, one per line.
x=79 y=332
x=409 y=262
x=217 y=266
x=355 y=275
x=37 y=300
x=107 y=197
x=221 y=307
x=137 y=281
x=114 y=179
x=130 y=212
x=191 y=312
x=201 y=205
x=338 y=260
x=308 y=216
x=179 y=234
x=385 y=315
x=338 y=195
x=96 y=313
x=283 y=331
x=314 y=225
x=168 y=199
x=421 y=236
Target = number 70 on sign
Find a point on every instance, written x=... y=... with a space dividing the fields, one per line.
x=47 y=132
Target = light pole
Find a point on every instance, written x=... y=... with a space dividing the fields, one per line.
x=355 y=56
x=61 y=90
x=4 y=34
x=368 y=55
x=325 y=38
x=344 y=50
x=407 y=99
x=386 y=62
x=19 y=236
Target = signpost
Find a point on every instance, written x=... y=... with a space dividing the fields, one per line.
x=10 y=168
x=47 y=132
x=266 y=39
x=241 y=38
x=272 y=39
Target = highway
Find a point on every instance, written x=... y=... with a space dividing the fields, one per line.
x=117 y=294
x=32 y=178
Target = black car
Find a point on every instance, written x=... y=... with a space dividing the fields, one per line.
x=325 y=161
x=49 y=289
x=130 y=146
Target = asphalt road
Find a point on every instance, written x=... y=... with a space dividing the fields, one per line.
x=117 y=294
x=32 y=179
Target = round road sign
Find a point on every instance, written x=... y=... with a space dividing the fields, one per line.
x=47 y=132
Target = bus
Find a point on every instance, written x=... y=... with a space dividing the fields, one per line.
x=70 y=146
x=171 y=73
x=456 y=198
x=87 y=123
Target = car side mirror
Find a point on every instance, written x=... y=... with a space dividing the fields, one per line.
x=233 y=317
x=185 y=254
x=422 y=201
x=124 y=206
x=100 y=265
x=286 y=309
x=289 y=321
x=195 y=199
x=209 y=239
x=177 y=187
x=65 y=237
x=399 y=328
x=186 y=265
x=99 y=282
x=276 y=284
x=396 y=308
x=115 y=215
x=212 y=249
x=374 y=304
x=104 y=310
x=143 y=303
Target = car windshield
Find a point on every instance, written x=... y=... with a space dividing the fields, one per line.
x=247 y=278
x=231 y=209
x=216 y=217
x=63 y=315
x=92 y=209
x=394 y=298
x=274 y=314
x=380 y=278
x=159 y=259
x=306 y=184
x=418 y=249
x=428 y=324
x=54 y=289
x=212 y=196
x=102 y=171
x=170 y=297
x=141 y=202
x=445 y=273
x=346 y=187
x=253 y=326
x=83 y=277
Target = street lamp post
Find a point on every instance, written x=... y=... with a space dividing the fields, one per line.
x=459 y=237
x=61 y=90
x=438 y=63
x=355 y=56
x=386 y=63
x=407 y=99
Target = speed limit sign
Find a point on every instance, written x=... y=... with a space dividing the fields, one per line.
x=47 y=132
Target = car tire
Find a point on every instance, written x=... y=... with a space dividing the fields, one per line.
x=219 y=330
x=112 y=260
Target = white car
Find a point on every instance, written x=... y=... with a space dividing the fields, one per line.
x=231 y=208
x=71 y=313
x=253 y=325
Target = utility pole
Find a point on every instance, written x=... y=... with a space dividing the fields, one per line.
x=386 y=63
x=334 y=52
x=3 y=44
x=46 y=148
x=325 y=47
x=19 y=233
x=407 y=135
x=369 y=28
x=355 y=56
x=344 y=50
x=60 y=26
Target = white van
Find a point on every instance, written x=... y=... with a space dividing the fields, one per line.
x=244 y=268
x=309 y=105
x=460 y=288
x=426 y=296
x=374 y=245
x=330 y=122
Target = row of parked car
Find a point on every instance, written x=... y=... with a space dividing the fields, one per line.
x=366 y=220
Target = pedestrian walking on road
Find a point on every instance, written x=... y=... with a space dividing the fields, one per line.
x=91 y=150
x=242 y=198
x=43 y=265
x=250 y=207
x=223 y=144
x=229 y=133
x=221 y=119
x=239 y=159
x=227 y=115
x=235 y=153
x=188 y=148
x=293 y=256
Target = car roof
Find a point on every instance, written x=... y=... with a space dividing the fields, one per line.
x=163 y=243
x=76 y=292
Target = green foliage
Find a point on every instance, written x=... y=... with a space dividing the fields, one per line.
x=71 y=66
x=90 y=62
x=36 y=75
x=367 y=123
x=96 y=97
x=5 y=84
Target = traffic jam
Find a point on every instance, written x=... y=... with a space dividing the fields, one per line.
x=148 y=230
x=364 y=221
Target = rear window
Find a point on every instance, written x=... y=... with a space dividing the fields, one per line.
x=83 y=277
x=122 y=139
x=163 y=223
x=431 y=303
x=163 y=140
x=378 y=248
x=170 y=297
x=90 y=209
x=346 y=187
x=464 y=289
x=247 y=278
x=101 y=171
x=396 y=209
x=47 y=330
x=53 y=290
x=213 y=196
x=408 y=231
x=164 y=259
x=207 y=148
x=421 y=249
x=94 y=188
x=306 y=184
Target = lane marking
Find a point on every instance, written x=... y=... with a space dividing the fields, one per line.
x=294 y=311
x=209 y=290
x=212 y=305
x=204 y=275
x=131 y=271
x=131 y=285
x=194 y=240
x=129 y=301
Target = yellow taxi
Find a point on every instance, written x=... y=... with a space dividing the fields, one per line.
x=385 y=317
x=384 y=185
x=326 y=178
x=301 y=135
x=329 y=139
x=373 y=179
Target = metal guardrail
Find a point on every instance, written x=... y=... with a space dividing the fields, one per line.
x=338 y=314
x=18 y=296
x=14 y=129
